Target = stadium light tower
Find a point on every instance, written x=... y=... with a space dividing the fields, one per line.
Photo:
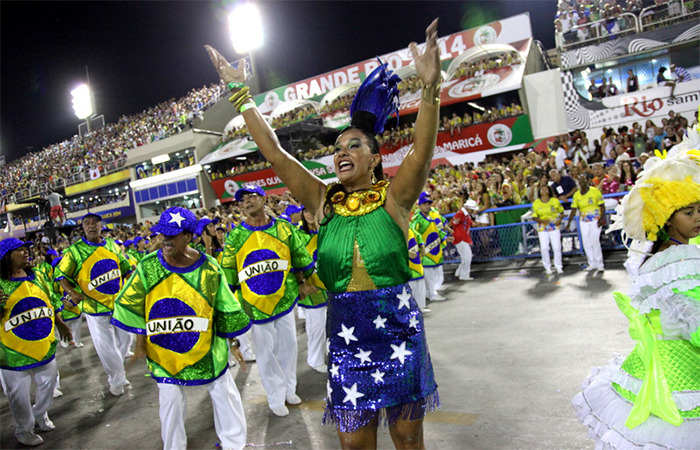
x=246 y=32
x=245 y=28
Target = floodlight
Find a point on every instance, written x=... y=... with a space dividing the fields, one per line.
x=81 y=101
x=245 y=28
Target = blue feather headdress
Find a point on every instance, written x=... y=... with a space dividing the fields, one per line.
x=376 y=100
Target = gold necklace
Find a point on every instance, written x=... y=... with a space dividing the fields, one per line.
x=359 y=203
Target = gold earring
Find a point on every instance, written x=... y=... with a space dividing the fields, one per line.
x=374 y=178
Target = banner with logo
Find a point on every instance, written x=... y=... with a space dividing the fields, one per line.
x=225 y=188
x=515 y=31
x=493 y=137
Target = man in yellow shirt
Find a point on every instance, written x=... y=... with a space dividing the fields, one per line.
x=589 y=201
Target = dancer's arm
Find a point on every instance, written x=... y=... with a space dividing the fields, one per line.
x=413 y=172
x=306 y=187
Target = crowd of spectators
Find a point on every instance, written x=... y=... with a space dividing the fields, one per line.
x=295 y=115
x=496 y=60
x=341 y=103
x=581 y=20
x=105 y=148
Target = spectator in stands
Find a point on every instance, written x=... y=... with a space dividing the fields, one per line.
x=612 y=89
x=563 y=187
x=661 y=80
x=632 y=81
x=680 y=74
x=56 y=213
x=593 y=90
x=603 y=89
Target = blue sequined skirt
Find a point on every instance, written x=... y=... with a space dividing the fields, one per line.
x=378 y=359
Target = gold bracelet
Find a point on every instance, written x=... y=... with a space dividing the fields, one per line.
x=431 y=93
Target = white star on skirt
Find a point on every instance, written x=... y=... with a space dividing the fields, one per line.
x=404 y=297
x=363 y=356
x=379 y=322
x=400 y=352
x=347 y=334
x=352 y=395
x=378 y=376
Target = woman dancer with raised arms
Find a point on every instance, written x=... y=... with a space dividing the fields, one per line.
x=379 y=365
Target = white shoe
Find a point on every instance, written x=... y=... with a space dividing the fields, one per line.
x=589 y=269
x=79 y=345
x=116 y=390
x=441 y=288
x=425 y=311
x=45 y=424
x=466 y=279
x=438 y=298
x=57 y=393
x=63 y=343
x=280 y=411
x=29 y=438
x=548 y=271
x=249 y=358
x=294 y=399
x=560 y=270
x=129 y=354
x=321 y=369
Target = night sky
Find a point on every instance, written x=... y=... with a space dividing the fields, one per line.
x=139 y=54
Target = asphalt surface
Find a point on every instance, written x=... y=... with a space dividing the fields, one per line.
x=510 y=350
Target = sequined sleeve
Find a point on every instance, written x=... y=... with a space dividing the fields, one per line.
x=229 y=317
x=129 y=307
x=67 y=268
x=228 y=262
x=302 y=260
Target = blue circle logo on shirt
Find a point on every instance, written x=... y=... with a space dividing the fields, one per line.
x=31 y=319
x=105 y=277
x=170 y=336
x=432 y=237
x=260 y=280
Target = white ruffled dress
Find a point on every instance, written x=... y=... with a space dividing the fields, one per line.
x=608 y=394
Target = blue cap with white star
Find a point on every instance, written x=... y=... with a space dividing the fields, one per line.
x=174 y=221
x=248 y=189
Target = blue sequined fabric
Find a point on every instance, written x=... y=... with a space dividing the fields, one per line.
x=378 y=359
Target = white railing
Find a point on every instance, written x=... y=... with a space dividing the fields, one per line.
x=674 y=11
x=599 y=31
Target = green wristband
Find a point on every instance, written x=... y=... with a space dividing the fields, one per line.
x=235 y=85
x=246 y=106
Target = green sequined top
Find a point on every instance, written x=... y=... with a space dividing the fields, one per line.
x=381 y=243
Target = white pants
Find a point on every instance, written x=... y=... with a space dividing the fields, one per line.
x=590 y=235
x=229 y=420
x=276 y=355
x=553 y=238
x=17 y=384
x=110 y=344
x=433 y=280
x=465 y=254
x=316 y=335
x=76 y=328
x=246 y=348
x=418 y=289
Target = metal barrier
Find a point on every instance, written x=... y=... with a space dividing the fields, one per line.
x=600 y=31
x=663 y=15
x=520 y=239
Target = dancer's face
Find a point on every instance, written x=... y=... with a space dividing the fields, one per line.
x=19 y=258
x=175 y=246
x=353 y=158
x=685 y=223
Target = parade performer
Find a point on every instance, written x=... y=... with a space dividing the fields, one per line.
x=461 y=224
x=433 y=235
x=259 y=256
x=72 y=312
x=548 y=213
x=416 y=251
x=28 y=317
x=589 y=201
x=91 y=272
x=314 y=305
x=379 y=366
x=179 y=305
x=650 y=400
